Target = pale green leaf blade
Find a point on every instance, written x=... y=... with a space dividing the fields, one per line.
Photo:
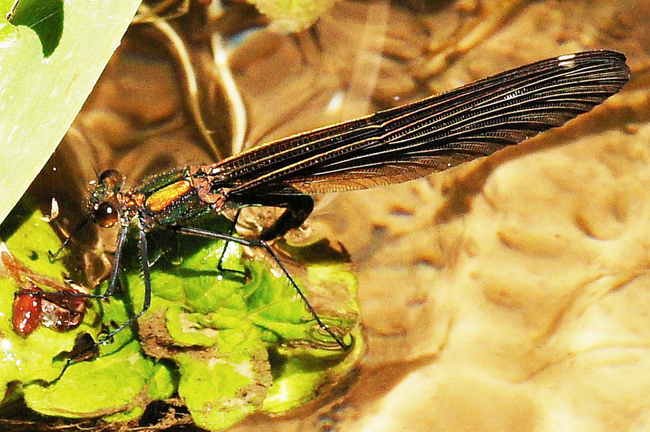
x=41 y=94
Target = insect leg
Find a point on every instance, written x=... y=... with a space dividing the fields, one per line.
x=258 y=242
x=146 y=272
x=115 y=270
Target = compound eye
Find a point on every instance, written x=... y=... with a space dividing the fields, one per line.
x=106 y=215
x=111 y=178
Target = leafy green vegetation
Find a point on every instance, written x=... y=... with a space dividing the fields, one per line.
x=229 y=343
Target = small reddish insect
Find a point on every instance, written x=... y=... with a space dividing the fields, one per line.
x=27 y=310
x=62 y=309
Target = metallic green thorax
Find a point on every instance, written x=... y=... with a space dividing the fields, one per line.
x=162 y=200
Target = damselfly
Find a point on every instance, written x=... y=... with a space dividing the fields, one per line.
x=391 y=146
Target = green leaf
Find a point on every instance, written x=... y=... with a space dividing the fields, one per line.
x=250 y=341
x=46 y=74
x=44 y=17
x=106 y=385
x=238 y=341
x=121 y=380
x=27 y=239
x=301 y=375
x=237 y=377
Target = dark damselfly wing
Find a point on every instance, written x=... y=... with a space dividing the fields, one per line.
x=430 y=135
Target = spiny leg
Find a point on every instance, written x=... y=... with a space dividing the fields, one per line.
x=117 y=259
x=146 y=272
x=263 y=244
